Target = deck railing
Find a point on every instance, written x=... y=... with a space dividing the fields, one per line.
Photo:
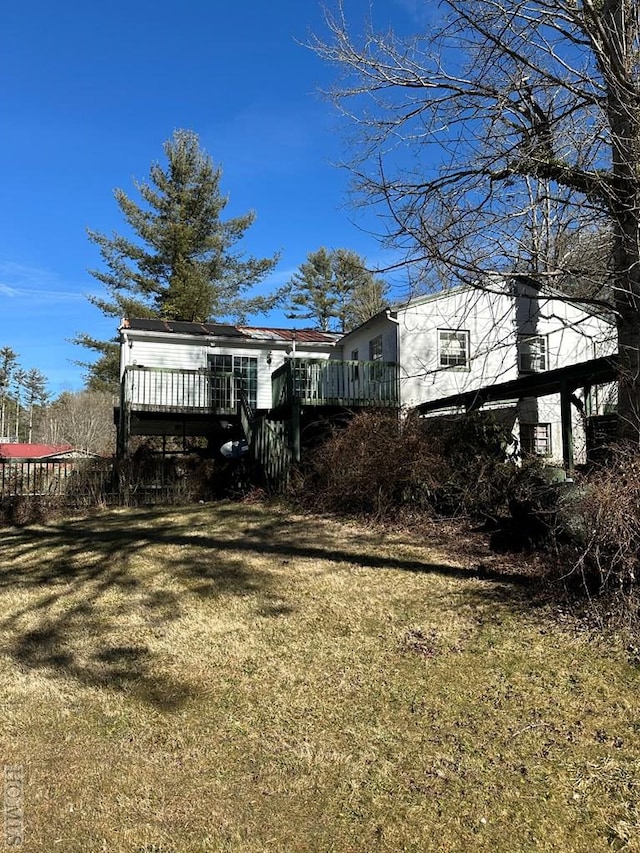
x=164 y=389
x=311 y=382
x=322 y=382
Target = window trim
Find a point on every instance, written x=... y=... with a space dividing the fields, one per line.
x=532 y=442
x=462 y=335
x=355 y=368
x=543 y=355
x=229 y=364
x=375 y=352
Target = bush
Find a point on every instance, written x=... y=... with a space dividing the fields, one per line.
x=148 y=477
x=20 y=510
x=590 y=527
x=541 y=506
x=367 y=466
x=382 y=465
x=608 y=504
x=477 y=471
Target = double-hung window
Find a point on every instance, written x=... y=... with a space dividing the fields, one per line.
x=532 y=353
x=355 y=367
x=454 y=348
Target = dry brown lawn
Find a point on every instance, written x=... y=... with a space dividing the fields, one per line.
x=239 y=678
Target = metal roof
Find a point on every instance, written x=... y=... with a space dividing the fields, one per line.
x=299 y=335
x=263 y=333
x=32 y=451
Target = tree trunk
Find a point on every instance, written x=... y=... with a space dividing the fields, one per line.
x=623 y=99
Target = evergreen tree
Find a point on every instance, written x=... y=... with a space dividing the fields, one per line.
x=8 y=364
x=36 y=394
x=366 y=294
x=335 y=290
x=183 y=263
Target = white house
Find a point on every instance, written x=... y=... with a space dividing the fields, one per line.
x=169 y=364
x=465 y=339
x=182 y=378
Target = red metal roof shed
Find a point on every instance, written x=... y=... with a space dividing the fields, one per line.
x=33 y=451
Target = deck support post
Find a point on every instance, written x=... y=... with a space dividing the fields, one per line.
x=124 y=431
x=567 y=428
x=296 y=445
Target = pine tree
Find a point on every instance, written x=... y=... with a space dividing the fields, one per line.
x=36 y=394
x=335 y=290
x=8 y=365
x=183 y=263
x=366 y=294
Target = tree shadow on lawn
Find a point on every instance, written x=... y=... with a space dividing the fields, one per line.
x=72 y=589
x=77 y=585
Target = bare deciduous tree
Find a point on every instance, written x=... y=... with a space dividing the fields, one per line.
x=8 y=365
x=83 y=419
x=509 y=130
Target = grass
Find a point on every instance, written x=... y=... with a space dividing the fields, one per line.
x=237 y=678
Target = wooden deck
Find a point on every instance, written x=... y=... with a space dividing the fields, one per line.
x=174 y=402
x=184 y=392
x=308 y=382
x=325 y=382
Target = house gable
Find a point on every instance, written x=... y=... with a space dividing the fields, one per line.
x=465 y=338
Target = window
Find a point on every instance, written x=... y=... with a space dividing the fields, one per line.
x=375 y=349
x=221 y=367
x=454 y=348
x=224 y=368
x=532 y=353
x=355 y=368
x=536 y=439
x=375 y=371
x=247 y=369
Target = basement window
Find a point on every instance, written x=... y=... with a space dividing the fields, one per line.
x=536 y=439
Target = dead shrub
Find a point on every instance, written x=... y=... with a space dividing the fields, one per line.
x=149 y=477
x=606 y=508
x=368 y=466
x=477 y=470
x=382 y=465
x=540 y=506
x=21 y=510
x=92 y=484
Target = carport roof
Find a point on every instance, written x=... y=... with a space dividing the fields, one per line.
x=597 y=371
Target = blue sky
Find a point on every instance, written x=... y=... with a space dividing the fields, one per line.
x=89 y=93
